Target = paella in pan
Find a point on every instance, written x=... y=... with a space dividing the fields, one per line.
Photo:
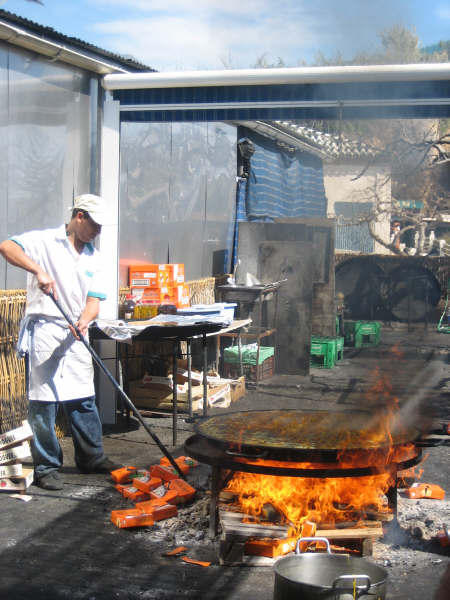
x=300 y=430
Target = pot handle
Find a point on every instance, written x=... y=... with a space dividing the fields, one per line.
x=359 y=589
x=312 y=539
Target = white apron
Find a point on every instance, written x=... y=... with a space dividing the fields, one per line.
x=60 y=367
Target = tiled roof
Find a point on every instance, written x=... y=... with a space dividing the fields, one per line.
x=333 y=146
x=48 y=33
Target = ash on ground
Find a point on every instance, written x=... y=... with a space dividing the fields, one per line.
x=412 y=540
x=191 y=525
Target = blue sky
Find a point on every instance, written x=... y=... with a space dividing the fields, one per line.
x=213 y=34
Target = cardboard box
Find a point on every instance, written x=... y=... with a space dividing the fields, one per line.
x=155 y=275
x=15 y=436
x=237 y=387
x=19 y=483
x=144 y=397
x=131 y=517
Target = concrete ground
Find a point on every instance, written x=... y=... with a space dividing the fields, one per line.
x=62 y=544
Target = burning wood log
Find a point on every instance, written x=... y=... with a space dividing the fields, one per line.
x=271 y=514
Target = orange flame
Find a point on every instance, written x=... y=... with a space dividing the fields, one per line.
x=339 y=499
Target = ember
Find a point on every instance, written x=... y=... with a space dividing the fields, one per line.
x=312 y=499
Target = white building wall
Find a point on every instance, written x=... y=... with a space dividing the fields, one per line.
x=352 y=182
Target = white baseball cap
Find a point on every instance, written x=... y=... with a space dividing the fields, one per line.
x=94 y=205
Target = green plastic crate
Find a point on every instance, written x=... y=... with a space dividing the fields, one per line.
x=323 y=352
x=362 y=334
x=248 y=354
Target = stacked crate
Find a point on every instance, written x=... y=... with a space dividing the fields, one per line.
x=339 y=348
x=249 y=355
x=323 y=352
x=362 y=334
x=14 y=448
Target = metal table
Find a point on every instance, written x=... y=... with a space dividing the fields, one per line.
x=177 y=334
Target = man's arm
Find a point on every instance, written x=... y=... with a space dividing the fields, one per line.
x=89 y=313
x=14 y=254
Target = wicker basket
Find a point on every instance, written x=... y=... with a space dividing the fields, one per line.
x=13 y=400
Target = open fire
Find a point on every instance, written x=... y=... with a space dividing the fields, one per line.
x=280 y=474
x=330 y=501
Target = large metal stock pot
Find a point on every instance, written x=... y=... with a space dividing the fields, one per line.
x=327 y=576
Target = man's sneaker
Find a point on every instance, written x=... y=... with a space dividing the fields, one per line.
x=104 y=466
x=50 y=481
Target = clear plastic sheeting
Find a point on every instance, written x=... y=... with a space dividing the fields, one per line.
x=46 y=144
x=177 y=198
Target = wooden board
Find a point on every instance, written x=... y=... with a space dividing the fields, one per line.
x=18 y=484
x=15 y=453
x=10 y=470
x=15 y=436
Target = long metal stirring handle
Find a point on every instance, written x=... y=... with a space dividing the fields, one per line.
x=100 y=363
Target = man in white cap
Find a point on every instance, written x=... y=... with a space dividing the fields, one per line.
x=64 y=262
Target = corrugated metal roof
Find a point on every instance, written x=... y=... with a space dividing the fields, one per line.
x=48 y=33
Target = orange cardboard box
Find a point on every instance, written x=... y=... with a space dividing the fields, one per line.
x=142 y=276
x=158 y=295
x=181 y=295
x=155 y=275
x=425 y=490
x=133 y=493
x=168 y=498
x=164 y=512
x=184 y=467
x=164 y=473
x=146 y=483
x=185 y=492
x=184 y=462
x=131 y=518
x=177 y=294
x=269 y=547
x=171 y=273
x=122 y=475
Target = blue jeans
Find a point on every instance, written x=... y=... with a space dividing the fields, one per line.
x=86 y=429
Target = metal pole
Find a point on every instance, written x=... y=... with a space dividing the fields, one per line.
x=205 y=380
x=135 y=411
x=409 y=303
x=174 y=393
x=213 y=506
x=189 y=366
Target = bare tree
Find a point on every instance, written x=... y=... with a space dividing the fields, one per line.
x=419 y=179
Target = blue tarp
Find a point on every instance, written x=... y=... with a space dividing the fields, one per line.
x=283 y=184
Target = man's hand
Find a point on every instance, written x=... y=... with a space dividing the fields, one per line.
x=89 y=313
x=46 y=283
x=82 y=326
